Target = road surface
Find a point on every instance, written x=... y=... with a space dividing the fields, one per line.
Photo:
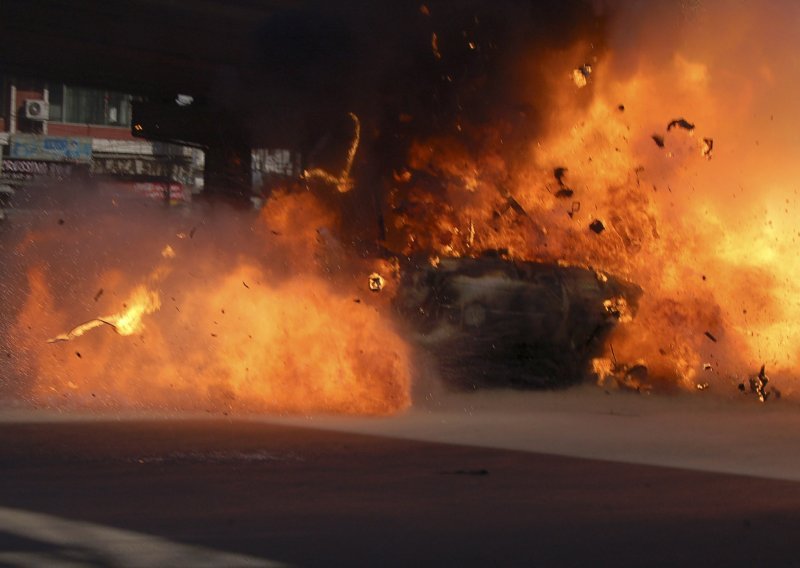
x=172 y=490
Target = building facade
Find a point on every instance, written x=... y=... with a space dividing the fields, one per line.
x=52 y=130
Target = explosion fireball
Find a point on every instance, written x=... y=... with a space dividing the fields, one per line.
x=638 y=145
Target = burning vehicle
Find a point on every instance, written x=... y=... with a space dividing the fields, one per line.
x=489 y=321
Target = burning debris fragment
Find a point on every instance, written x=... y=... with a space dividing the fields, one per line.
x=624 y=376
x=343 y=182
x=376 y=282
x=581 y=75
x=758 y=386
x=142 y=302
x=618 y=308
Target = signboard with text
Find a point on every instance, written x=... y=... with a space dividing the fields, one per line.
x=51 y=148
x=20 y=170
x=142 y=167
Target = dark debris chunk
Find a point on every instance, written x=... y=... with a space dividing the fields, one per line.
x=597 y=226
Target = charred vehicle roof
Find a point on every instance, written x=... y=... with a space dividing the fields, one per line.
x=494 y=322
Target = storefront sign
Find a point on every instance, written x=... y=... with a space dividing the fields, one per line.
x=177 y=192
x=30 y=169
x=130 y=167
x=51 y=148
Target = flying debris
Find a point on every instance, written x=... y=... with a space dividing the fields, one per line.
x=79 y=330
x=707 y=148
x=142 y=302
x=581 y=75
x=659 y=140
x=711 y=336
x=758 y=386
x=435 y=46
x=682 y=123
x=597 y=226
x=564 y=192
x=559 y=174
x=343 y=182
x=376 y=282
x=624 y=376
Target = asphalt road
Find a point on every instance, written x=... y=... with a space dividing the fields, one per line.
x=222 y=492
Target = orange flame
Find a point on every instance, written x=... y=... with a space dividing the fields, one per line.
x=624 y=180
x=254 y=337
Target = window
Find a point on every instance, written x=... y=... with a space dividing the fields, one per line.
x=56 y=98
x=89 y=106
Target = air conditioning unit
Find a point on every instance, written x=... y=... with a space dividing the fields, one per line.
x=37 y=109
